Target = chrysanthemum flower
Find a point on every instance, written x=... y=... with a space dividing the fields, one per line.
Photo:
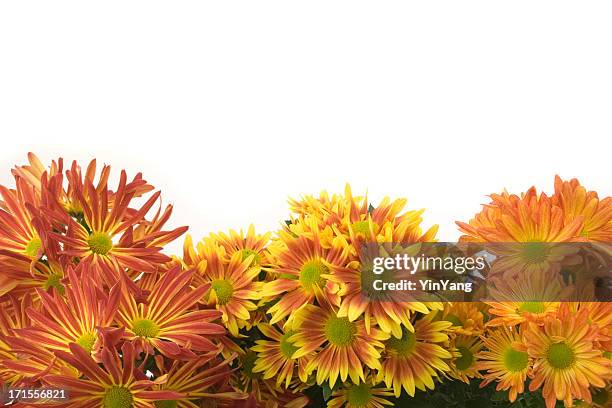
x=233 y=285
x=466 y=317
x=167 y=318
x=414 y=360
x=275 y=356
x=20 y=228
x=106 y=235
x=362 y=395
x=529 y=218
x=390 y=313
x=576 y=201
x=464 y=364
x=505 y=360
x=33 y=172
x=251 y=244
x=342 y=347
x=249 y=381
x=73 y=318
x=566 y=361
x=531 y=297
x=203 y=377
x=303 y=267
x=115 y=384
x=20 y=275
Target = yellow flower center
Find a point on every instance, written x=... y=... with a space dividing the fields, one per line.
x=359 y=395
x=118 y=397
x=166 y=404
x=560 y=355
x=246 y=252
x=515 y=360
x=532 y=307
x=87 y=341
x=145 y=328
x=534 y=252
x=33 y=247
x=53 y=281
x=223 y=290
x=100 y=243
x=466 y=360
x=404 y=346
x=310 y=274
x=340 y=331
x=287 y=348
x=454 y=319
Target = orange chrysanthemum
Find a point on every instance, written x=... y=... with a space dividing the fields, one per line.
x=167 y=319
x=566 y=359
x=576 y=202
x=117 y=383
x=72 y=318
x=505 y=360
x=106 y=234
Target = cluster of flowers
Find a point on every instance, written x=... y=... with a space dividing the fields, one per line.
x=91 y=304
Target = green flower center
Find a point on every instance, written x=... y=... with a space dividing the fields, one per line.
x=454 y=319
x=287 y=348
x=145 y=328
x=363 y=227
x=100 y=243
x=560 y=355
x=608 y=355
x=359 y=395
x=166 y=404
x=53 y=281
x=310 y=274
x=223 y=290
x=87 y=341
x=515 y=360
x=534 y=252
x=340 y=331
x=466 y=360
x=118 y=397
x=248 y=363
x=246 y=252
x=404 y=346
x=33 y=247
x=532 y=307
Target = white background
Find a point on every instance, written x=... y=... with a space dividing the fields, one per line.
x=230 y=107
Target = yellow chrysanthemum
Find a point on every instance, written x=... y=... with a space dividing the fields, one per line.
x=234 y=289
x=464 y=364
x=414 y=360
x=303 y=267
x=505 y=360
x=251 y=244
x=566 y=360
x=466 y=317
x=342 y=347
x=361 y=395
x=275 y=356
